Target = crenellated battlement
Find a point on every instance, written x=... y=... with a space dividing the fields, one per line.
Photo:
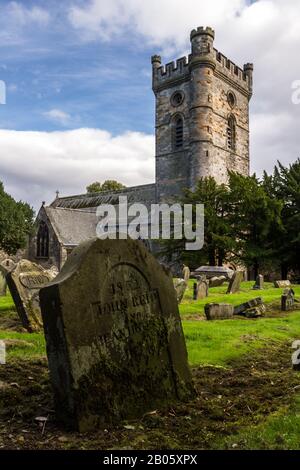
x=202 y=52
x=173 y=71
x=230 y=67
x=200 y=31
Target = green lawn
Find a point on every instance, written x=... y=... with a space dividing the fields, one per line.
x=219 y=342
x=211 y=344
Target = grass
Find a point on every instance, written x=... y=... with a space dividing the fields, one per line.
x=190 y=307
x=280 y=431
x=219 y=342
x=231 y=359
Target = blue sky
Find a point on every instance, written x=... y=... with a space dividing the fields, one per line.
x=93 y=83
x=79 y=102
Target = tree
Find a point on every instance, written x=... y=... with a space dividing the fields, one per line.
x=284 y=185
x=217 y=231
x=108 y=185
x=253 y=216
x=16 y=222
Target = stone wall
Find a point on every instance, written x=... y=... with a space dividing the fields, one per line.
x=55 y=249
x=204 y=80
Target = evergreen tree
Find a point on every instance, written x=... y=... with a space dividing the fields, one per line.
x=16 y=221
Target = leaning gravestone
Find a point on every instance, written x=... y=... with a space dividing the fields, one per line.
x=282 y=284
x=259 y=283
x=180 y=286
x=8 y=264
x=5 y=267
x=235 y=282
x=24 y=283
x=3 y=283
x=114 y=337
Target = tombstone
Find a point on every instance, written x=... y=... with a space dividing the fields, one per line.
x=255 y=312
x=53 y=271
x=217 y=281
x=235 y=282
x=3 y=284
x=242 y=308
x=8 y=264
x=5 y=266
x=287 y=300
x=180 y=286
x=114 y=338
x=218 y=311
x=186 y=273
x=24 y=283
x=296 y=355
x=213 y=271
x=195 y=291
x=202 y=288
x=282 y=284
x=259 y=283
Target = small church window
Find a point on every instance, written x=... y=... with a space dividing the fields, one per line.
x=178 y=133
x=231 y=133
x=231 y=99
x=177 y=98
x=43 y=241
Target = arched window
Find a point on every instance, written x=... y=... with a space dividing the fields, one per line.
x=231 y=133
x=42 y=247
x=178 y=133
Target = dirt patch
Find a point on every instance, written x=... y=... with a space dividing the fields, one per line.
x=227 y=400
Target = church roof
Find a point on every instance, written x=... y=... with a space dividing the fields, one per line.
x=143 y=194
x=72 y=226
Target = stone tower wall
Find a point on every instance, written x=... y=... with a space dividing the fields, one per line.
x=204 y=78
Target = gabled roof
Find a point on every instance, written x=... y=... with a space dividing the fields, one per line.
x=144 y=194
x=72 y=226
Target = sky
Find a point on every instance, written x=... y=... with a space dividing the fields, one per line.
x=79 y=105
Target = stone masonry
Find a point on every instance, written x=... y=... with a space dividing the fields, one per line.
x=205 y=90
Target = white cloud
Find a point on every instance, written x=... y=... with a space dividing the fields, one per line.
x=34 y=165
x=58 y=116
x=265 y=32
x=15 y=18
x=24 y=15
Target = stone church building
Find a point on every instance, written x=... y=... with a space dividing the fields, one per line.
x=201 y=129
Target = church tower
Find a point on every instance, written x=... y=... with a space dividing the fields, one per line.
x=202 y=117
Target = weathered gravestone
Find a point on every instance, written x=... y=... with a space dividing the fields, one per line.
x=218 y=311
x=8 y=264
x=282 y=284
x=202 y=288
x=180 y=286
x=296 y=355
x=259 y=283
x=235 y=282
x=217 y=281
x=3 y=284
x=5 y=267
x=186 y=273
x=114 y=337
x=240 y=309
x=24 y=283
x=287 y=300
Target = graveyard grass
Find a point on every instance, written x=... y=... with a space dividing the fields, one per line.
x=249 y=396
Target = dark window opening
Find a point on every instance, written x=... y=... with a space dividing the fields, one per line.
x=43 y=241
x=231 y=136
x=178 y=133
